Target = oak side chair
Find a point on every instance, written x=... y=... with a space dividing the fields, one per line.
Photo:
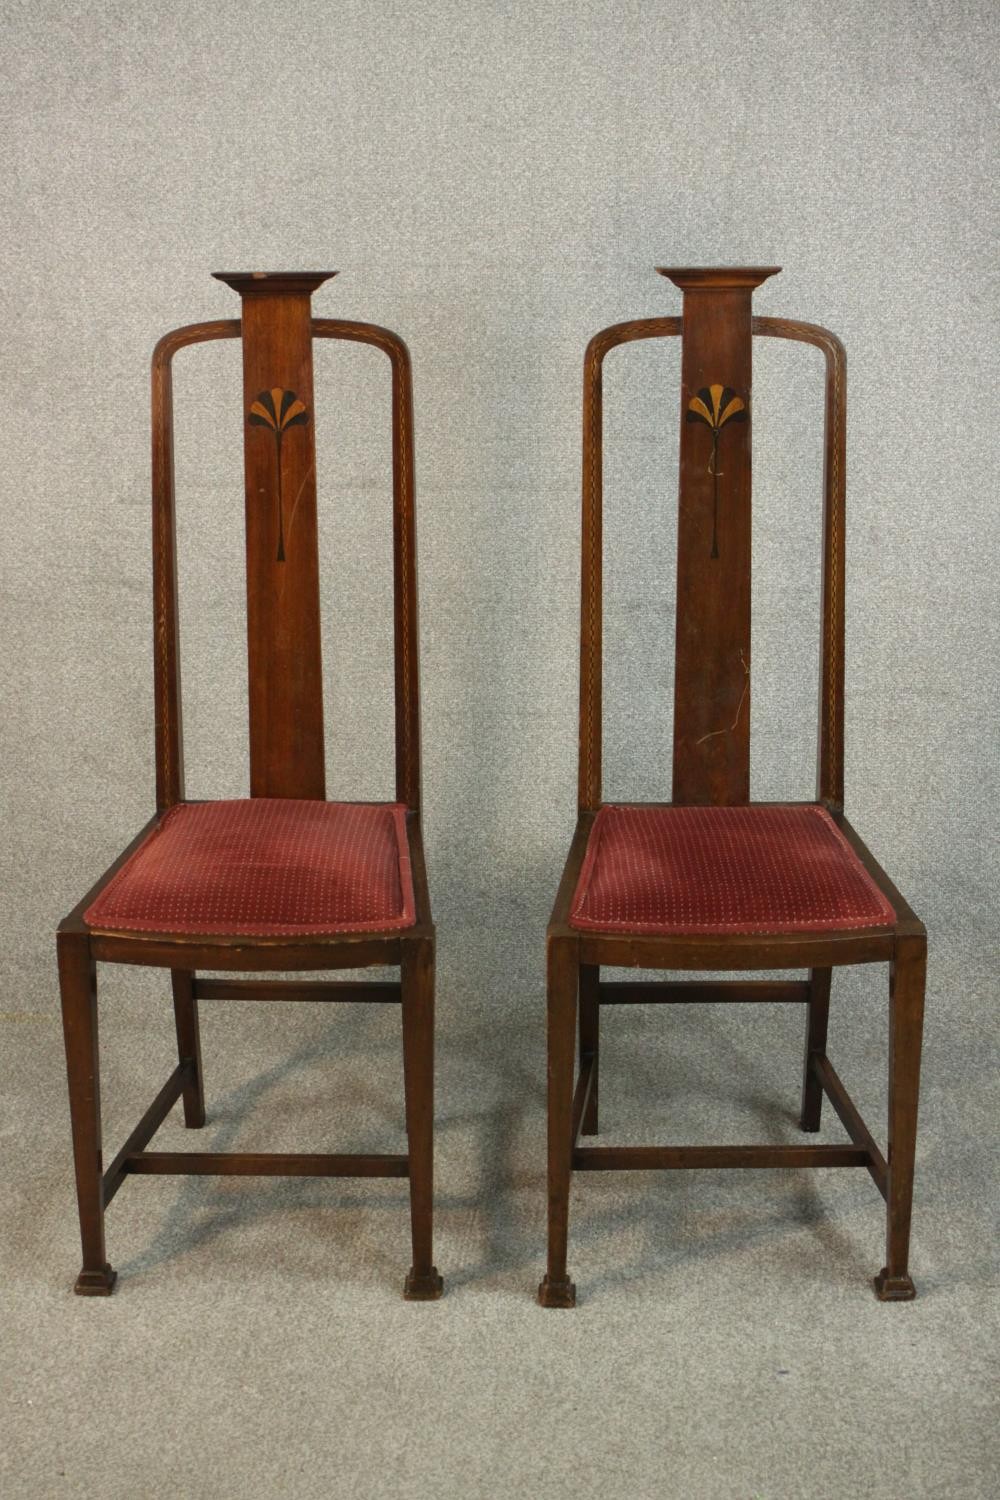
x=710 y=880
x=282 y=880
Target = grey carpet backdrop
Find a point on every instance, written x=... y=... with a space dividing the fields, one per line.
x=496 y=182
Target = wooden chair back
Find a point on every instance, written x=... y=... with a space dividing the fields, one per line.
x=711 y=736
x=287 y=754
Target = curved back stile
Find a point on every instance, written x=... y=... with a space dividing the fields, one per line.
x=166 y=647
x=591 y=597
x=830 y=760
x=404 y=546
x=166 y=625
x=830 y=757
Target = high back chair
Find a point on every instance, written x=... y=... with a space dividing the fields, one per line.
x=281 y=880
x=711 y=880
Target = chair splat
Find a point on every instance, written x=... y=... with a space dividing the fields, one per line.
x=283 y=603
x=712 y=671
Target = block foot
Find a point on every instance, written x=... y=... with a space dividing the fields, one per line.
x=556 y=1294
x=427 y=1287
x=894 y=1288
x=96 y=1283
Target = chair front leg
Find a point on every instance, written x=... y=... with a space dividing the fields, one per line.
x=906 y=1019
x=78 y=990
x=817 y=1022
x=423 y=1284
x=189 y=1045
x=556 y=1289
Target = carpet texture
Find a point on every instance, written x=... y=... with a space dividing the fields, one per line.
x=496 y=181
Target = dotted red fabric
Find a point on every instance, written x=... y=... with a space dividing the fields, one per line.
x=265 y=867
x=703 y=870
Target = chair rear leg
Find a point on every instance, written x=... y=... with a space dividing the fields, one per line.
x=78 y=990
x=907 y=979
x=556 y=1289
x=590 y=1038
x=817 y=1021
x=189 y=1045
x=423 y=1284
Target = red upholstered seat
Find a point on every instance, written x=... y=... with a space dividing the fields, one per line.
x=702 y=870
x=265 y=867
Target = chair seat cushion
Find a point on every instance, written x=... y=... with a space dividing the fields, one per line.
x=265 y=867
x=699 y=870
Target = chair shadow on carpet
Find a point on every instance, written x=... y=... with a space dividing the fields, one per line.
x=654 y=1224
x=490 y=1195
x=208 y=1208
x=639 y=1225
